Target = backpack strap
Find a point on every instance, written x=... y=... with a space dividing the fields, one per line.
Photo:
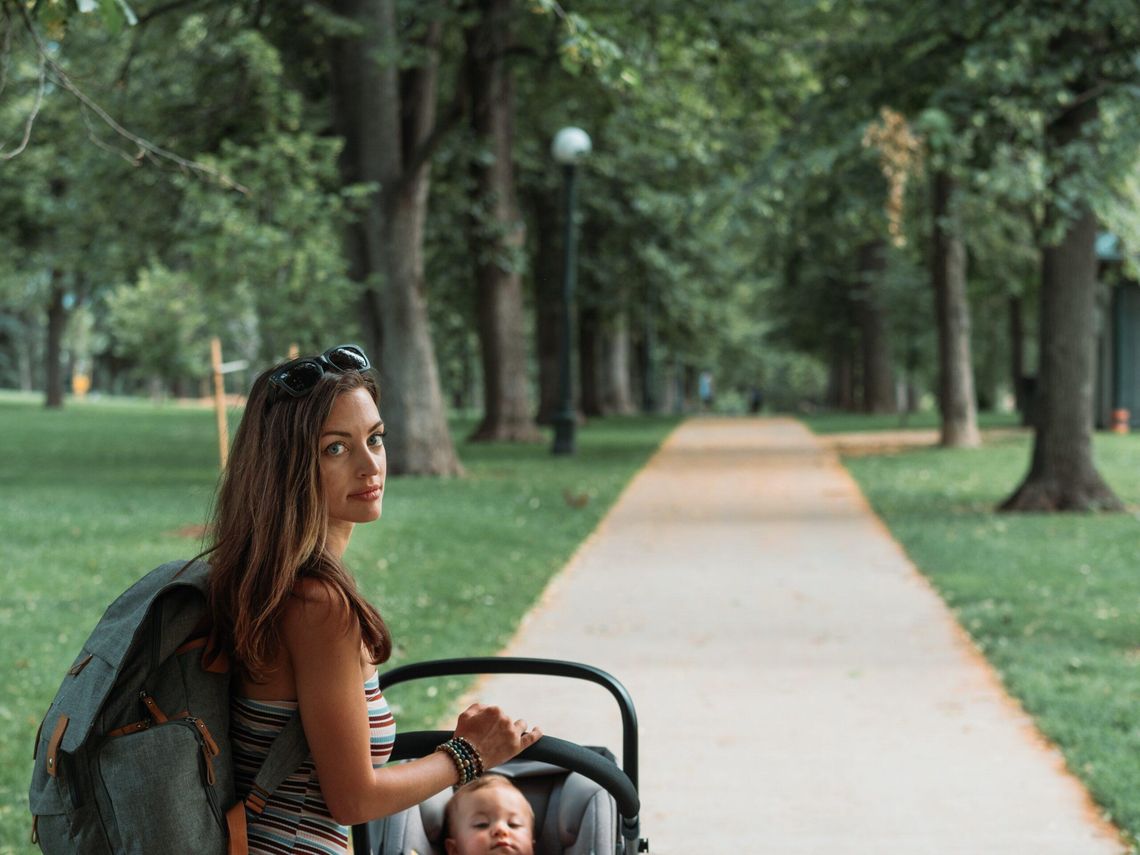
x=288 y=751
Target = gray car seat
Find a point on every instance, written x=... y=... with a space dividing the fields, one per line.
x=573 y=815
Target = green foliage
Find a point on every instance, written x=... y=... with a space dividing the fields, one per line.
x=723 y=209
x=160 y=322
x=1059 y=624
x=96 y=495
x=54 y=15
x=251 y=254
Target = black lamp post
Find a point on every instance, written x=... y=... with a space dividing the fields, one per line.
x=569 y=147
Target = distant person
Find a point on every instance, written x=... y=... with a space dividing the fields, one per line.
x=755 y=400
x=308 y=465
x=705 y=389
x=487 y=817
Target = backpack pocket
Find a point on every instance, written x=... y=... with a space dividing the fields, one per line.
x=49 y=798
x=51 y=827
x=158 y=785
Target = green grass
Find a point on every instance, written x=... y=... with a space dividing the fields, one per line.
x=94 y=495
x=1052 y=600
x=837 y=422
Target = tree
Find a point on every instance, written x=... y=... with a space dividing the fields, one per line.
x=496 y=230
x=1090 y=60
x=384 y=91
x=258 y=258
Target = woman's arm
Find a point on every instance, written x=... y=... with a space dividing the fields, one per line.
x=322 y=638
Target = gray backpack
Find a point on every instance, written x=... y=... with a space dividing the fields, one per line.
x=133 y=756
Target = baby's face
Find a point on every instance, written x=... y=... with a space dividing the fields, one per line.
x=492 y=821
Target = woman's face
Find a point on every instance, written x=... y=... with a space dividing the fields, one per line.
x=353 y=462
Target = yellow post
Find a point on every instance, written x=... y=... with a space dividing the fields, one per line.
x=294 y=351
x=220 y=400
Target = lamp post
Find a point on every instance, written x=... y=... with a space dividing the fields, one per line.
x=569 y=147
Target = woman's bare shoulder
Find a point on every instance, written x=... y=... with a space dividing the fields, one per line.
x=317 y=607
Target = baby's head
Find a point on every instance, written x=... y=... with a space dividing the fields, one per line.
x=489 y=816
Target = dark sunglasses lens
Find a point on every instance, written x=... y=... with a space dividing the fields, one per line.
x=299 y=379
x=348 y=358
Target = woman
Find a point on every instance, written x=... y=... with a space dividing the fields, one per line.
x=308 y=464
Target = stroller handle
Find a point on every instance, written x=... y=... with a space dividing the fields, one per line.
x=536 y=667
x=548 y=749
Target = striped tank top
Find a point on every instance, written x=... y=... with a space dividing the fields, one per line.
x=296 y=818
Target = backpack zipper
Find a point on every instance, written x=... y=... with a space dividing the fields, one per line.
x=210 y=748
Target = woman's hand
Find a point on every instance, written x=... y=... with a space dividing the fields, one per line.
x=494 y=735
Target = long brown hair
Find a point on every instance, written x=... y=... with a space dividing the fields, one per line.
x=270 y=525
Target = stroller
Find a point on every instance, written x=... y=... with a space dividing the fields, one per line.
x=584 y=803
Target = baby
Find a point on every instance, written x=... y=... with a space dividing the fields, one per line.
x=489 y=816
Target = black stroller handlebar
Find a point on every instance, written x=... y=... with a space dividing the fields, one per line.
x=548 y=749
x=536 y=667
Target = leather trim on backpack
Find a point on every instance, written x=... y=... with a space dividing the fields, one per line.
x=256 y=799
x=52 y=760
x=134 y=727
x=192 y=644
x=80 y=665
x=214 y=659
x=154 y=709
x=238 y=833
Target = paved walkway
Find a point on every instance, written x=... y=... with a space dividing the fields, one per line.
x=800 y=688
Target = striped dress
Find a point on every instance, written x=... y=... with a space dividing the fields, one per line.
x=296 y=818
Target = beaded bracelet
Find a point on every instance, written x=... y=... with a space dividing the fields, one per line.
x=464 y=744
x=460 y=766
x=467 y=761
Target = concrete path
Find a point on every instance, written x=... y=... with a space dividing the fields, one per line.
x=799 y=686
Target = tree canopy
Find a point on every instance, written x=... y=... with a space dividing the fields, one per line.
x=827 y=201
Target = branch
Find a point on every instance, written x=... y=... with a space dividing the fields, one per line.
x=31 y=116
x=146 y=148
x=443 y=126
x=420 y=147
x=163 y=9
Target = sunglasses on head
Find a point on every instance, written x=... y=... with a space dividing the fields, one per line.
x=299 y=377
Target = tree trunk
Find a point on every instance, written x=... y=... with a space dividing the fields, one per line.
x=647 y=363
x=386 y=122
x=496 y=232
x=547 y=267
x=690 y=379
x=53 y=356
x=956 y=398
x=1062 y=475
x=617 y=394
x=1017 y=356
x=671 y=386
x=25 y=354
x=878 y=384
x=589 y=342
x=841 y=377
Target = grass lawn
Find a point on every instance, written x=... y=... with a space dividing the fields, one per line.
x=1052 y=600
x=824 y=423
x=95 y=495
